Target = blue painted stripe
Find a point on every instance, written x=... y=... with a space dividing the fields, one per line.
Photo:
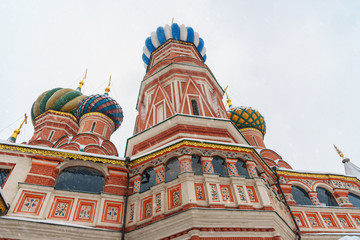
x=145 y=59
x=191 y=35
x=204 y=57
x=161 y=35
x=175 y=31
x=201 y=45
x=149 y=45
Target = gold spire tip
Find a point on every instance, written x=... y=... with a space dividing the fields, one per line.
x=107 y=89
x=172 y=21
x=17 y=131
x=338 y=151
x=81 y=83
x=228 y=100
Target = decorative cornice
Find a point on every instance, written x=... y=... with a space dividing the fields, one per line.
x=101 y=115
x=61 y=154
x=57 y=113
x=188 y=143
x=316 y=175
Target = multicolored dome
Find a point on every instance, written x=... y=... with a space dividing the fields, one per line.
x=246 y=117
x=58 y=99
x=176 y=32
x=102 y=104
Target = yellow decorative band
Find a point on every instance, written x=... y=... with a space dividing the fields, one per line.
x=316 y=175
x=57 y=113
x=191 y=144
x=68 y=155
x=99 y=114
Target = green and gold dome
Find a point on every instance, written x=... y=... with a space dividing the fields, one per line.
x=246 y=117
x=58 y=99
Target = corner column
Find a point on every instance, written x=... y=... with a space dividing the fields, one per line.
x=207 y=165
x=136 y=183
x=185 y=163
x=251 y=168
x=342 y=197
x=159 y=173
x=314 y=199
x=231 y=166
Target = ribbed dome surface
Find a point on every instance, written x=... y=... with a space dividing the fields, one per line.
x=102 y=104
x=162 y=34
x=58 y=99
x=246 y=117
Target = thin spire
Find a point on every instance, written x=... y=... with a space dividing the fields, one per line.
x=17 y=131
x=81 y=83
x=107 y=89
x=339 y=152
x=228 y=100
x=172 y=21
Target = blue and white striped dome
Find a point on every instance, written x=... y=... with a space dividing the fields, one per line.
x=176 y=32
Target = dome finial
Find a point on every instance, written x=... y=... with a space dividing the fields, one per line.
x=172 y=21
x=17 y=131
x=341 y=155
x=339 y=152
x=81 y=83
x=107 y=89
x=228 y=100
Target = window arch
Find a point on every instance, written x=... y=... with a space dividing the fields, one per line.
x=241 y=167
x=147 y=179
x=325 y=197
x=219 y=166
x=355 y=200
x=300 y=196
x=195 y=107
x=81 y=179
x=172 y=169
x=196 y=164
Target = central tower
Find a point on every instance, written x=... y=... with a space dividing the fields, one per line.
x=178 y=91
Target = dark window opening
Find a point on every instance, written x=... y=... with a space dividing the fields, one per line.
x=325 y=197
x=196 y=164
x=4 y=173
x=300 y=196
x=172 y=169
x=194 y=106
x=241 y=167
x=80 y=179
x=93 y=127
x=355 y=200
x=255 y=142
x=51 y=135
x=148 y=179
x=220 y=166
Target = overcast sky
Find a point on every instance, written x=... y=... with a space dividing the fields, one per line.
x=297 y=62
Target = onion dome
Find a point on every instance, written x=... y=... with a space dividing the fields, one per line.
x=102 y=104
x=246 y=117
x=57 y=99
x=181 y=33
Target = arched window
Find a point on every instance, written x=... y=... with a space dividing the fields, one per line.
x=325 y=197
x=81 y=179
x=194 y=106
x=196 y=164
x=355 y=200
x=219 y=166
x=148 y=179
x=241 y=167
x=172 y=169
x=300 y=196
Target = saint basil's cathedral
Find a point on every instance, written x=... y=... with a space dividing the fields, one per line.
x=194 y=168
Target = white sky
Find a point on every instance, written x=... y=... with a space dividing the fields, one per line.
x=297 y=62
